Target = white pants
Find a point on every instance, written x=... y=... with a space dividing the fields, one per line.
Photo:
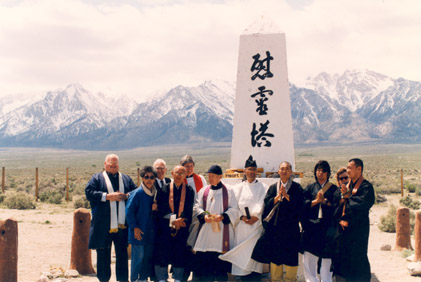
x=310 y=268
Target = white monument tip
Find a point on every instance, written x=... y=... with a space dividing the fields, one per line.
x=262 y=25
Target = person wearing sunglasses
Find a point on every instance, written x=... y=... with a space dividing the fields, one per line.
x=342 y=176
x=320 y=201
x=142 y=226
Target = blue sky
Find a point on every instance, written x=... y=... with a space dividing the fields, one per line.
x=139 y=47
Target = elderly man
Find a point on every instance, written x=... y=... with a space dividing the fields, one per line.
x=216 y=207
x=142 y=226
x=175 y=207
x=107 y=192
x=351 y=263
x=282 y=211
x=250 y=196
x=320 y=201
x=161 y=169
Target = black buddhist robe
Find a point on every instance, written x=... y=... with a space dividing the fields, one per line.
x=318 y=233
x=351 y=260
x=281 y=237
x=168 y=249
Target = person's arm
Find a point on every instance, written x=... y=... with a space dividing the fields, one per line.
x=93 y=191
x=131 y=209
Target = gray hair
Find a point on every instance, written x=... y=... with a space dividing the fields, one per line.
x=158 y=161
x=110 y=156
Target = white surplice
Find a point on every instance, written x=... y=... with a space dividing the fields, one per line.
x=208 y=240
x=194 y=226
x=249 y=195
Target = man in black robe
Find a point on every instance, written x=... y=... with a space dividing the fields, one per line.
x=107 y=193
x=320 y=200
x=281 y=214
x=351 y=262
x=175 y=207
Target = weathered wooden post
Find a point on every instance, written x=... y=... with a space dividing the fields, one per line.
x=3 y=178
x=403 y=230
x=9 y=250
x=67 y=184
x=80 y=258
x=402 y=183
x=417 y=233
x=36 y=184
x=138 y=177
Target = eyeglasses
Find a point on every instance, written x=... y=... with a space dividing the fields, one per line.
x=343 y=178
x=152 y=177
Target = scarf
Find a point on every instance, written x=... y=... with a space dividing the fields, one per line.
x=116 y=223
x=182 y=199
x=198 y=184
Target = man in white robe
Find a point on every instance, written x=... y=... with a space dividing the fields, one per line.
x=217 y=209
x=250 y=196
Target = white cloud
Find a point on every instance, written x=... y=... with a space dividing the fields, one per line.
x=137 y=49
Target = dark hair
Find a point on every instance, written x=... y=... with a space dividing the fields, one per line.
x=147 y=169
x=322 y=165
x=186 y=159
x=358 y=163
x=339 y=172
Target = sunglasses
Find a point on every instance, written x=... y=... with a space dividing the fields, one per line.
x=343 y=178
x=152 y=177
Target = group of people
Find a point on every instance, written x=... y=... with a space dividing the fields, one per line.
x=191 y=229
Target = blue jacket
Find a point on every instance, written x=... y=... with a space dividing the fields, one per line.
x=99 y=236
x=139 y=214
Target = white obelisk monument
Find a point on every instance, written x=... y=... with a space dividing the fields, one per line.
x=262 y=116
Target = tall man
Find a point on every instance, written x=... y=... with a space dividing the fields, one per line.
x=279 y=244
x=320 y=201
x=161 y=169
x=250 y=196
x=107 y=193
x=216 y=207
x=351 y=263
x=175 y=206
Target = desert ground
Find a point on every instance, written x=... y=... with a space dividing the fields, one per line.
x=44 y=233
x=44 y=236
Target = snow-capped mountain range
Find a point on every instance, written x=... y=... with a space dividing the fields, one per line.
x=358 y=105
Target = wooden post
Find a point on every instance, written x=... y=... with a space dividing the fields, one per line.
x=417 y=232
x=3 y=179
x=138 y=176
x=36 y=184
x=9 y=250
x=67 y=184
x=403 y=230
x=402 y=183
x=80 y=256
